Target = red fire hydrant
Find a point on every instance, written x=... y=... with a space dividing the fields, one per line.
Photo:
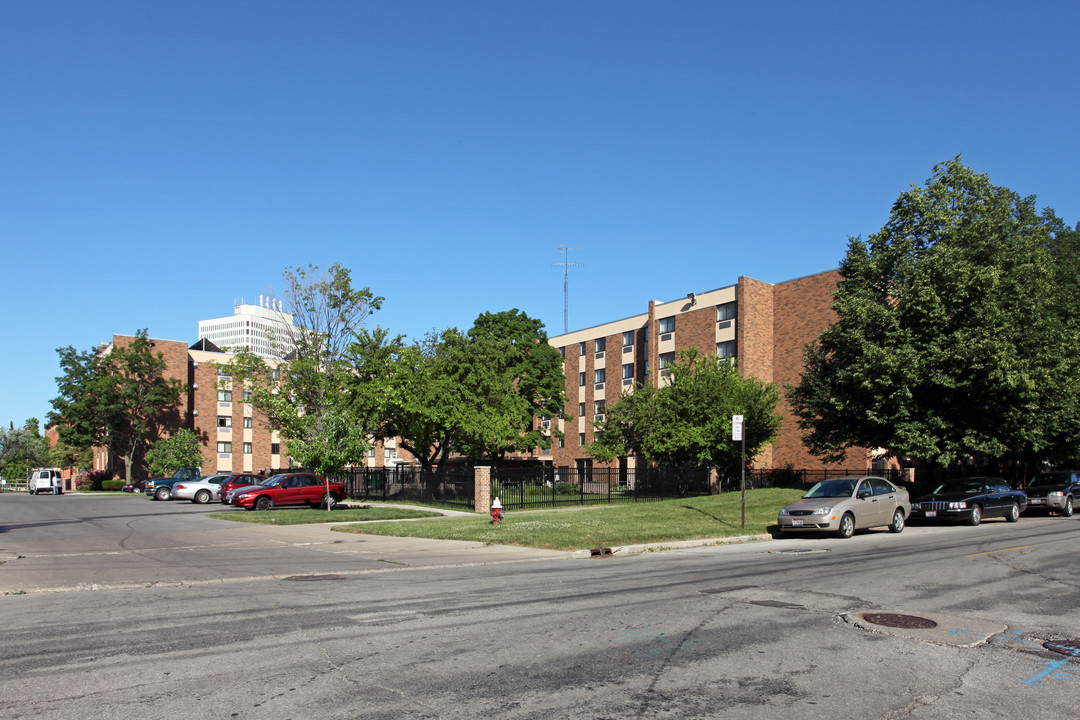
x=496 y=512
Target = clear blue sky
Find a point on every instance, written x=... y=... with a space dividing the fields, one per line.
x=161 y=160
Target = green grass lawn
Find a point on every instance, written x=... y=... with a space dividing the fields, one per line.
x=713 y=516
x=305 y=516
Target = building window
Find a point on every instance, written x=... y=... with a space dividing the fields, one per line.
x=224 y=395
x=247 y=448
x=628 y=338
x=389 y=453
x=562 y=443
x=248 y=395
x=247 y=423
x=628 y=371
x=598 y=407
x=601 y=344
x=725 y=350
x=666 y=359
x=581 y=348
x=371 y=452
x=667 y=324
x=581 y=409
x=562 y=351
x=581 y=439
x=224 y=421
x=275 y=374
x=275 y=448
x=581 y=378
x=600 y=376
x=224 y=447
x=725 y=311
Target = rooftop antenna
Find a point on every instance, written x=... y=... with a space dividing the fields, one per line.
x=566 y=265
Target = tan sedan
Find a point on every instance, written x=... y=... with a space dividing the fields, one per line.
x=846 y=504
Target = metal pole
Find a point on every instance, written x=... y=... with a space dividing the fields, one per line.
x=742 y=481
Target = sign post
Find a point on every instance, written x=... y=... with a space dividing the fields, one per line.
x=737 y=435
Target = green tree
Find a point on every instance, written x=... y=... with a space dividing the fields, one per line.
x=118 y=399
x=306 y=398
x=688 y=421
x=954 y=335
x=22 y=449
x=179 y=450
x=505 y=374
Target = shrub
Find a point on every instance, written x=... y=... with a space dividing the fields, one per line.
x=93 y=480
x=113 y=485
x=565 y=488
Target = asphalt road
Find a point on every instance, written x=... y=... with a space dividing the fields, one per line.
x=194 y=617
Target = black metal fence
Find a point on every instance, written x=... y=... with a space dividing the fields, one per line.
x=788 y=477
x=538 y=487
x=404 y=483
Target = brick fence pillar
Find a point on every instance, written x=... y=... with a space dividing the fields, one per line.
x=714 y=481
x=482 y=489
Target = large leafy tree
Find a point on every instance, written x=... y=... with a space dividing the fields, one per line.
x=22 y=449
x=956 y=331
x=504 y=375
x=306 y=398
x=688 y=421
x=119 y=399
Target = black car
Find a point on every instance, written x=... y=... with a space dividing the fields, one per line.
x=971 y=500
x=1055 y=491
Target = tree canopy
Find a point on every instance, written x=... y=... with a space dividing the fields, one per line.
x=118 y=399
x=956 y=331
x=21 y=450
x=179 y=450
x=688 y=421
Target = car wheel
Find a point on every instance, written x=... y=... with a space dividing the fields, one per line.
x=162 y=493
x=202 y=497
x=976 y=515
x=1067 y=511
x=1014 y=513
x=263 y=503
x=847 y=526
x=897 y=521
x=328 y=502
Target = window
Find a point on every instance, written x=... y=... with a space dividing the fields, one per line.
x=275 y=374
x=725 y=311
x=275 y=448
x=248 y=395
x=628 y=338
x=371 y=452
x=224 y=447
x=628 y=371
x=581 y=378
x=600 y=376
x=224 y=395
x=581 y=439
x=581 y=348
x=389 y=453
x=562 y=443
x=224 y=421
x=598 y=407
x=562 y=351
x=581 y=409
x=666 y=359
x=725 y=350
x=601 y=344
x=247 y=448
x=667 y=324
x=247 y=423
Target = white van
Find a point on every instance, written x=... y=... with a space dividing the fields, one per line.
x=43 y=480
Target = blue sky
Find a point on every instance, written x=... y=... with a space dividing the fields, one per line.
x=161 y=160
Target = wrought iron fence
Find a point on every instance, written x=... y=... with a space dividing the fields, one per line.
x=538 y=487
x=404 y=483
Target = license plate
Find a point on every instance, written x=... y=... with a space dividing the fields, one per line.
x=796 y=523
x=1035 y=501
x=931 y=513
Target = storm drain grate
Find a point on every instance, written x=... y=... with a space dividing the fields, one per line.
x=314 y=578
x=896 y=620
x=601 y=552
x=1065 y=647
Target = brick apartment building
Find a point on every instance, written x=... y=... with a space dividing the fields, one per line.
x=764 y=326
x=234 y=435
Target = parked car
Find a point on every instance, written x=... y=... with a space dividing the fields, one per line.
x=844 y=505
x=135 y=487
x=161 y=488
x=1055 y=491
x=235 y=482
x=971 y=500
x=199 y=491
x=289 y=489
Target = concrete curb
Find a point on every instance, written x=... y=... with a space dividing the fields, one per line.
x=627 y=550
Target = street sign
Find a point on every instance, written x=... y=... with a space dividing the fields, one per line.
x=736 y=427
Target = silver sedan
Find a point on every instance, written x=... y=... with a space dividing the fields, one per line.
x=199 y=491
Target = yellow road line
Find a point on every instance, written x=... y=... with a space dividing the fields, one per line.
x=991 y=552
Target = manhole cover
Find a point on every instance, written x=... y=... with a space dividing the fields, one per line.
x=314 y=578
x=896 y=620
x=1065 y=647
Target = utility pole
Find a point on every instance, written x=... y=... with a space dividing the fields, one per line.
x=566 y=265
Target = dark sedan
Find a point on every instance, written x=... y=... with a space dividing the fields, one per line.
x=971 y=500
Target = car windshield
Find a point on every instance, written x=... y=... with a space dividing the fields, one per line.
x=842 y=487
x=960 y=487
x=273 y=481
x=1046 y=480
